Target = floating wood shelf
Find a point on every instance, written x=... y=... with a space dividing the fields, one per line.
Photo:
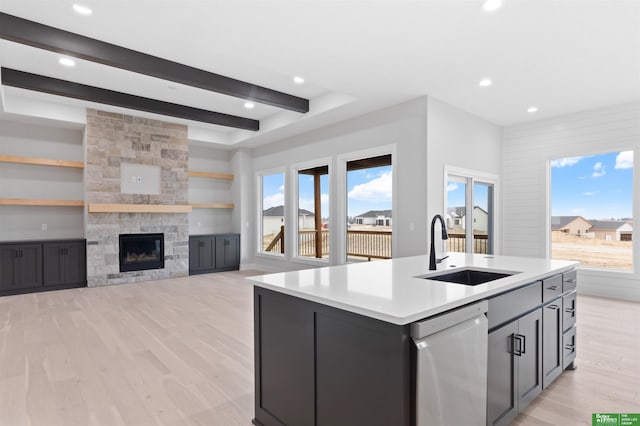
x=139 y=208
x=26 y=202
x=41 y=161
x=212 y=205
x=210 y=175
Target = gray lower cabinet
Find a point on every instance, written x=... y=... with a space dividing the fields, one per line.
x=317 y=365
x=213 y=253
x=227 y=252
x=201 y=254
x=515 y=367
x=552 y=341
x=64 y=263
x=20 y=266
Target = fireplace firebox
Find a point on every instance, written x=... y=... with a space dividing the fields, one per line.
x=140 y=252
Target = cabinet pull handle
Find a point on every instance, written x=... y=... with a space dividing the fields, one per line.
x=569 y=347
x=517 y=348
x=524 y=343
x=570 y=310
x=554 y=307
x=552 y=288
x=570 y=281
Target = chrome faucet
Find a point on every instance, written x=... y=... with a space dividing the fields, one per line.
x=432 y=253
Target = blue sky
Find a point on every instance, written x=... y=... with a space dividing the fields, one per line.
x=367 y=189
x=594 y=187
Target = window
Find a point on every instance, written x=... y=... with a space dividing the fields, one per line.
x=313 y=212
x=369 y=209
x=273 y=213
x=469 y=215
x=591 y=210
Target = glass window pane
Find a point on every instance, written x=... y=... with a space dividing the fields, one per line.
x=455 y=214
x=273 y=212
x=591 y=210
x=369 y=209
x=313 y=212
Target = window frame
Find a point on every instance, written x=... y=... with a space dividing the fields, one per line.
x=294 y=185
x=470 y=178
x=260 y=218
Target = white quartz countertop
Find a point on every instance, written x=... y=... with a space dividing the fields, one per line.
x=388 y=290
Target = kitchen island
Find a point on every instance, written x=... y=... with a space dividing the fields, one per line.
x=333 y=345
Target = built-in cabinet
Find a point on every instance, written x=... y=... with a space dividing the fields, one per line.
x=42 y=265
x=531 y=341
x=213 y=253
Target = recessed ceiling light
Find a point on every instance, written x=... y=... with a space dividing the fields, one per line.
x=532 y=109
x=249 y=105
x=491 y=5
x=485 y=82
x=67 y=62
x=298 y=80
x=82 y=9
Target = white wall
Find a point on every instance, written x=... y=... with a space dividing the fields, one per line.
x=461 y=140
x=426 y=134
x=527 y=151
x=402 y=126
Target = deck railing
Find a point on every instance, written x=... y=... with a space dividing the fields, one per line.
x=457 y=243
x=360 y=243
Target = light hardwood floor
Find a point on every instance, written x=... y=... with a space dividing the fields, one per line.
x=180 y=352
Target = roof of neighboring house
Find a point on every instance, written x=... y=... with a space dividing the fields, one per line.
x=376 y=213
x=560 y=222
x=606 y=225
x=279 y=211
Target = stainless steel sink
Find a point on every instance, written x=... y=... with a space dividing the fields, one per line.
x=468 y=276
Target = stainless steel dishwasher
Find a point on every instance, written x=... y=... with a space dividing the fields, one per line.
x=451 y=367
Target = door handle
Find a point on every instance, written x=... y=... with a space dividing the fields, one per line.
x=552 y=287
x=516 y=344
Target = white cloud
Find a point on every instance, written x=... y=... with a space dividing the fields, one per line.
x=281 y=188
x=308 y=204
x=452 y=186
x=624 y=160
x=378 y=189
x=563 y=162
x=274 y=200
x=598 y=170
x=590 y=193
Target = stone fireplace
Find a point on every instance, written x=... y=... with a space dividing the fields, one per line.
x=115 y=142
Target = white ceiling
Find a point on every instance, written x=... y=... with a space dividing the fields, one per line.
x=356 y=55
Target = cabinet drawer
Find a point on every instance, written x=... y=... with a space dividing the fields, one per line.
x=568 y=347
x=513 y=304
x=551 y=288
x=569 y=281
x=568 y=310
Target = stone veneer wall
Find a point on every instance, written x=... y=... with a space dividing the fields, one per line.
x=112 y=139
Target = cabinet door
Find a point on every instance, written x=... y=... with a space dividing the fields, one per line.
x=53 y=272
x=201 y=254
x=227 y=251
x=8 y=267
x=551 y=342
x=530 y=358
x=568 y=311
x=75 y=263
x=501 y=376
x=284 y=353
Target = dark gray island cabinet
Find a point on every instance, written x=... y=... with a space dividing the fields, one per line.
x=322 y=365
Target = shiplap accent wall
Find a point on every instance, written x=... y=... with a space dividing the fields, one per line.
x=527 y=150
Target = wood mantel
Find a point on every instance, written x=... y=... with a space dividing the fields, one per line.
x=139 y=208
